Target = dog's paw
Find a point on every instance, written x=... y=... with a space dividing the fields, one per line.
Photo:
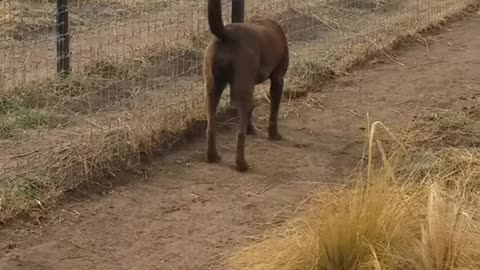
x=213 y=157
x=242 y=166
x=275 y=136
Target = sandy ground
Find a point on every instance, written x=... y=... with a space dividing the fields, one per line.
x=186 y=214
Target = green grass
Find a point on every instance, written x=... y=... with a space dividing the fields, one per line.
x=16 y=118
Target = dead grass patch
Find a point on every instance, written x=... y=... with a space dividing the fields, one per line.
x=177 y=62
x=97 y=155
x=22 y=20
x=372 y=5
x=76 y=94
x=301 y=26
x=410 y=212
x=451 y=128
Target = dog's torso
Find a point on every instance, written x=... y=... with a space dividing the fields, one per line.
x=258 y=47
x=243 y=55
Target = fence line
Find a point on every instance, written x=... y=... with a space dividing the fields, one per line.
x=115 y=28
x=153 y=44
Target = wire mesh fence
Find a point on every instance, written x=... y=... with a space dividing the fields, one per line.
x=127 y=55
x=116 y=29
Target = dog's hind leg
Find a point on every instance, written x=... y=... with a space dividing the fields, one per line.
x=240 y=161
x=212 y=98
x=244 y=105
x=232 y=109
x=250 y=127
x=276 y=92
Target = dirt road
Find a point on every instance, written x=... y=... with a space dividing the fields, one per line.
x=187 y=214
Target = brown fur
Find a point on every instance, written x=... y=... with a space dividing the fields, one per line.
x=243 y=55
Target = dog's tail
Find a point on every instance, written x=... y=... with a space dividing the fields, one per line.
x=215 y=20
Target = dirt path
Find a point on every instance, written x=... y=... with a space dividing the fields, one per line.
x=188 y=214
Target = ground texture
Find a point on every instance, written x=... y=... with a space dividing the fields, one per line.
x=187 y=214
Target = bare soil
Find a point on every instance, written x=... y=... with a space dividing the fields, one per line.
x=186 y=214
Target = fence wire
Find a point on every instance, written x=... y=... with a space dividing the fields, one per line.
x=150 y=51
x=118 y=29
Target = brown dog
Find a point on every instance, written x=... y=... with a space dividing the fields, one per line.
x=243 y=55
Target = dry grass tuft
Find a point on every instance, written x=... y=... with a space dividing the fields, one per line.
x=22 y=20
x=401 y=216
x=97 y=155
x=18 y=20
x=77 y=94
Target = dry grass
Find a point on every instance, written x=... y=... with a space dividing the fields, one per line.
x=96 y=155
x=154 y=107
x=409 y=212
x=26 y=20
x=18 y=17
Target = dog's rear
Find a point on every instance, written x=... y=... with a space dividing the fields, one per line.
x=243 y=55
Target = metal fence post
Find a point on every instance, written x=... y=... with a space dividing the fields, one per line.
x=63 y=39
x=238 y=11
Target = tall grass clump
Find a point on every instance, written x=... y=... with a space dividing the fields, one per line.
x=412 y=208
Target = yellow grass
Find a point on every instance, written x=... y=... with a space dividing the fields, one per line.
x=404 y=216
